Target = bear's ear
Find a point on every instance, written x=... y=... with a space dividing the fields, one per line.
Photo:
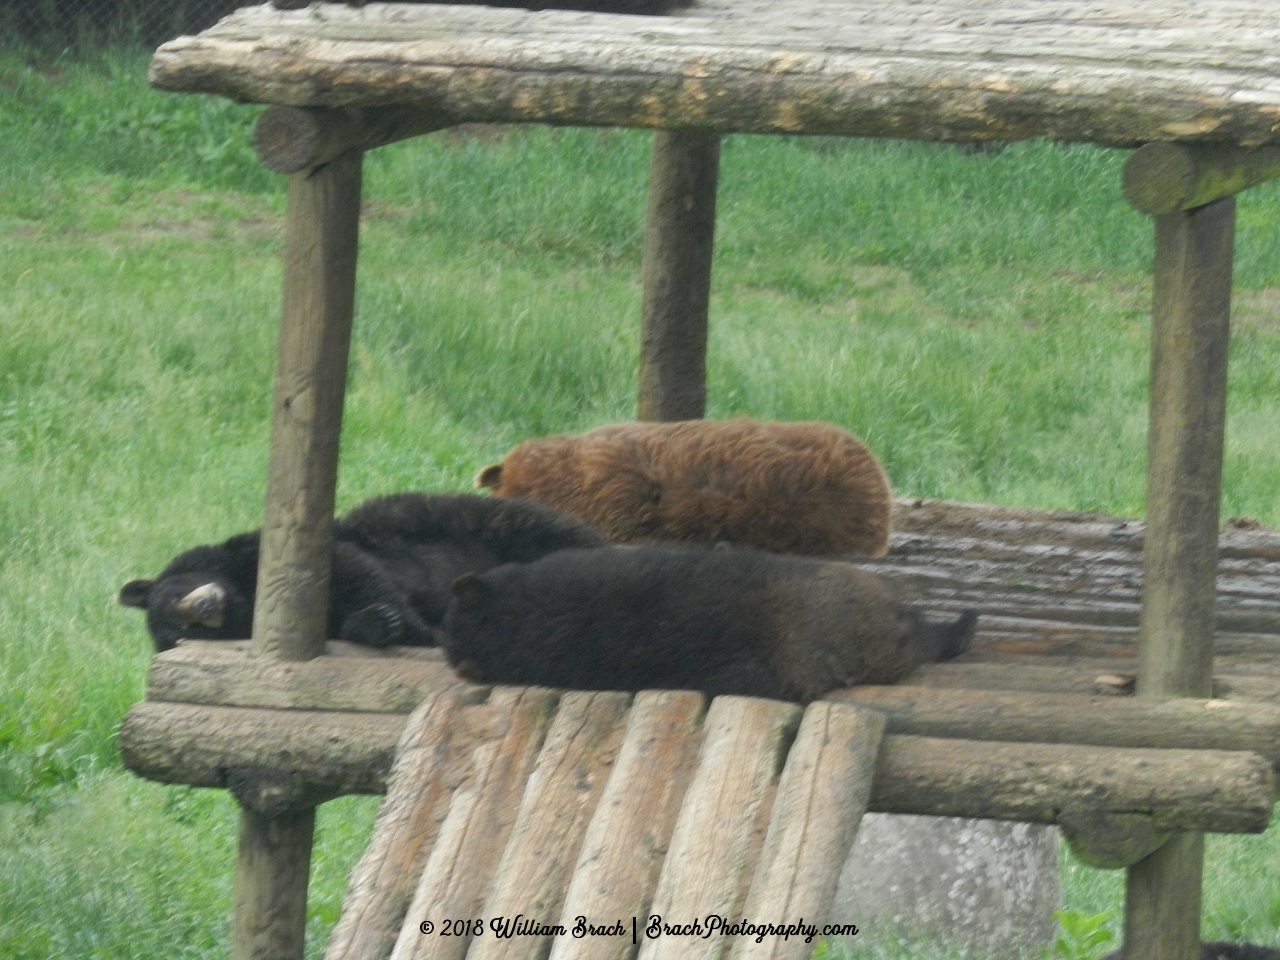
x=469 y=589
x=490 y=477
x=135 y=593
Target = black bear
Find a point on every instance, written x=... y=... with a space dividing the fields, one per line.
x=393 y=561
x=718 y=620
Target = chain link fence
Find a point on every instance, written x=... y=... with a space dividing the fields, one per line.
x=91 y=23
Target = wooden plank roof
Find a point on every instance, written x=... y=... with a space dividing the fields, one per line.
x=1075 y=70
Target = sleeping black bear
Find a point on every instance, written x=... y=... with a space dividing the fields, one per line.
x=393 y=561
x=718 y=620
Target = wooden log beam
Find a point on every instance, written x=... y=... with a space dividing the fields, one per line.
x=291 y=611
x=679 y=236
x=1232 y=681
x=1110 y=841
x=432 y=760
x=296 y=139
x=625 y=841
x=1162 y=178
x=1016 y=716
x=475 y=831
x=822 y=795
x=337 y=753
x=211 y=674
x=562 y=794
x=332 y=754
x=717 y=837
x=1213 y=790
x=784 y=66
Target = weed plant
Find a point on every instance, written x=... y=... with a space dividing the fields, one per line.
x=980 y=320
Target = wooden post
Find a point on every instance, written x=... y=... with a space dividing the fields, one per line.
x=1190 y=322
x=291 y=609
x=679 y=233
x=272 y=864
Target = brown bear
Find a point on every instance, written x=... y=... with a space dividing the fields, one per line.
x=725 y=621
x=809 y=488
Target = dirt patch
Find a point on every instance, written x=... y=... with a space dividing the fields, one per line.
x=1258 y=309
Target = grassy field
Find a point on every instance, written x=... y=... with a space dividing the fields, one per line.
x=980 y=320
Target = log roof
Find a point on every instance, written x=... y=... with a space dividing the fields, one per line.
x=1074 y=70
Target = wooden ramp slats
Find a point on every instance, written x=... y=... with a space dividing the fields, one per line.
x=481 y=815
x=551 y=806
x=558 y=802
x=823 y=793
x=430 y=763
x=718 y=833
x=628 y=836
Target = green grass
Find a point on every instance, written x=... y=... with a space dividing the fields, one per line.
x=980 y=320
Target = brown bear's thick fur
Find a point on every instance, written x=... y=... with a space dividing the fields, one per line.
x=811 y=488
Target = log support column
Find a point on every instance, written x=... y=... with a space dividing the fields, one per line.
x=679 y=235
x=292 y=604
x=1190 y=318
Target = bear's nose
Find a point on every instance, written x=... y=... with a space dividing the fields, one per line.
x=205 y=606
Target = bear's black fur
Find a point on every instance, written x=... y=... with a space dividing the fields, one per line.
x=1223 y=950
x=393 y=561
x=718 y=620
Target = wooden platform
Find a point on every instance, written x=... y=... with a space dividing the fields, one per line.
x=928 y=70
x=506 y=803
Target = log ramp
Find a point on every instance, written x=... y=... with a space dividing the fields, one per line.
x=1196 y=87
x=558 y=804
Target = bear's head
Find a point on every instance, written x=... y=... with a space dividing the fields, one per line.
x=189 y=606
x=203 y=594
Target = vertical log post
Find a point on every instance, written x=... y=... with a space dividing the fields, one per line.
x=1190 y=322
x=679 y=234
x=291 y=609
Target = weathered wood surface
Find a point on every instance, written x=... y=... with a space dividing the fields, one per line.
x=269 y=906
x=679 y=232
x=718 y=833
x=328 y=754
x=1214 y=790
x=821 y=798
x=1112 y=677
x=432 y=759
x=560 y=799
x=1164 y=178
x=293 y=139
x=213 y=672
x=291 y=609
x=628 y=836
x=1110 y=841
x=1162 y=901
x=1189 y=331
x=1063 y=584
x=480 y=817
x=1073 y=718
x=1188 y=411
x=940 y=70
